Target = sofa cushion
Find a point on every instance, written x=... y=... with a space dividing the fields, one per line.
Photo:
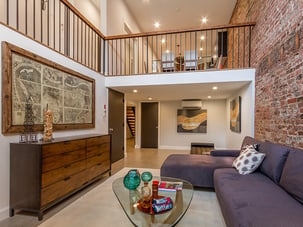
x=197 y=169
x=255 y=200
x=274 y=161
x=292 y=175
x=248 y=161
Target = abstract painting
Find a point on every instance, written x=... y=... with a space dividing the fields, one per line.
x=235 y=114
x=192 y=120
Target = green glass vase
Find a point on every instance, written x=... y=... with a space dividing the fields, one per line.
x=146 y=176
x=132 y=179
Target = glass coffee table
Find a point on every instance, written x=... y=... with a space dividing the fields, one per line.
x=129 y=202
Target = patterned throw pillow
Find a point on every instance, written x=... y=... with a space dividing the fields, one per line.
x=248 y=161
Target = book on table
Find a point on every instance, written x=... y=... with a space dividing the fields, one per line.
x=170 y=186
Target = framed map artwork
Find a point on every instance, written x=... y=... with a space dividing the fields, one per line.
x=28 y=77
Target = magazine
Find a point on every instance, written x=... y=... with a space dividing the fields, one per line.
x=170 y=186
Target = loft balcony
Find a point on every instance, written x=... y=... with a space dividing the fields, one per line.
x=59 y=26
x=212 y=48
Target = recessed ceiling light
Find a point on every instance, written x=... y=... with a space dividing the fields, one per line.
x=215 y=56
x=157 y=24
x=163 y=41
x=204 y=20
x=215 y=88
x=150 y=98
x=202 y=37
x=209 y=97
x=135 y=91
x=201 y=49
x=167 y=51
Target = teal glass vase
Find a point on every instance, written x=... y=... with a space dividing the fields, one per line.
x=146 y=176
x=132 y=179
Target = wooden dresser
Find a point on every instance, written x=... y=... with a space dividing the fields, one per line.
x=42 y=174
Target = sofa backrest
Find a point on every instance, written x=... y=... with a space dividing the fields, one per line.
x=274 y=160
x=249 y=141
x=292 y=175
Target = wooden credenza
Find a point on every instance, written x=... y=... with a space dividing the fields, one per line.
x=44 y=173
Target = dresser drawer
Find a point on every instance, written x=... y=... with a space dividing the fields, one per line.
x=95 y=150
x=98 y=159
x=97 y=170
x=98 y=140
x=61 y=160
x=61 y=173
x=62 y=147
x=63 y=187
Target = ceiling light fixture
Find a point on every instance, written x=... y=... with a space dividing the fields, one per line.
x=209 y=97
x=201 y=49
x=204 y=20
x=167 y=51
x=150 y=98
x=135 y=91
x=163 y=41
x=215 y=88
x=202 y=37
x=157 y=24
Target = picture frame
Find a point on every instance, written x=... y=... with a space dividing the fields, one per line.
x=235 y=114
x=68 y=94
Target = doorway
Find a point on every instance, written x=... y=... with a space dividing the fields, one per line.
x=149 y=125
x=116 y=124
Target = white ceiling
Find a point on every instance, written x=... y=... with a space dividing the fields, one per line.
x=179 y=14
x=181 y=91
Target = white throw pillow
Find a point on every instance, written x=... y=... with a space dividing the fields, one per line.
x=248 y=161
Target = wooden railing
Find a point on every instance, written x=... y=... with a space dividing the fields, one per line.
x=219 y=47
x=60 y=26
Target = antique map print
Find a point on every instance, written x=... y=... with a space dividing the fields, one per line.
x=70 y=98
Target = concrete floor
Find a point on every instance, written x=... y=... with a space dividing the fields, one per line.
x=137 y=158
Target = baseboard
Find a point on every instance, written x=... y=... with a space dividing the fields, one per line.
x=4 y=213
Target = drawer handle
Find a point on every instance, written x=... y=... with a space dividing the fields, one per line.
x=67 y=166
x=66 y=178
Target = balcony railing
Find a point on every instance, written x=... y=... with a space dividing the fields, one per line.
x=221 y=47
x=58 y=25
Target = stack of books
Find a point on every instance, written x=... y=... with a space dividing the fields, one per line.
x=170 y=186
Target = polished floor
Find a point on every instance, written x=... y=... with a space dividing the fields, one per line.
x=137 y=158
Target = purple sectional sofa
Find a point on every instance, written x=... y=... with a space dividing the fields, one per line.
x=271 y=196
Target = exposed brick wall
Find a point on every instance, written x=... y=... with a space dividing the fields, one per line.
x=277 y=55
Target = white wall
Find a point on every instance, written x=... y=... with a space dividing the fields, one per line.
x=89 y=10
x=117 y=15
x=100 y=99
x=247 y=93
x=216 y=121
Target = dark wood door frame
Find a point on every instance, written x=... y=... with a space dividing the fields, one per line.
x=149 y=124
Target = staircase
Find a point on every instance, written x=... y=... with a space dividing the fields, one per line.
x=131 y=119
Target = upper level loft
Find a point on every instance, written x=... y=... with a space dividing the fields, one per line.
x=60 y=26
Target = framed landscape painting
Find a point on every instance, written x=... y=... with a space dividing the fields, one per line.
x=192 y=120
x=235 y=114
x=28 y=77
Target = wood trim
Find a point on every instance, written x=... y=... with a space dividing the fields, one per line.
x=7 y=126
x=144 y=34
x=80 y=15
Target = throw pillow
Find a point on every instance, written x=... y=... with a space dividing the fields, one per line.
x=248 y=161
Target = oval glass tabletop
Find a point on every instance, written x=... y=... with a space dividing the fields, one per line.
x=129 y=202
